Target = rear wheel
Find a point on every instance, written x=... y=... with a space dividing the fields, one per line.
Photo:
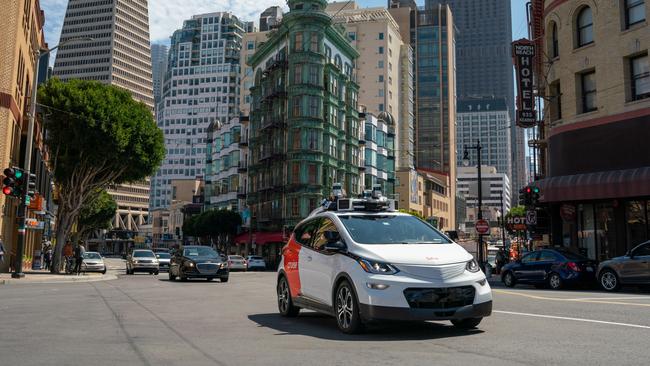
x=466 y=324
x=555 y=281
x=347 y=309
x=609 y=280
x=285 y=304
x=509 y=279
x=224 y=279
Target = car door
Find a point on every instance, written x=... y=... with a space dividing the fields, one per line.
x=306 y=269
x=322 y=263
x=526 y=267
x=543 y=266
x=636 y=269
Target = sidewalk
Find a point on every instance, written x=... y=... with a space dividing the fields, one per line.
x=41 y=276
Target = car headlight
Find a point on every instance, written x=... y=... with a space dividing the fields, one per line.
x=377 y=267
x=222 y=265
x=472 y=266
x=135 y=261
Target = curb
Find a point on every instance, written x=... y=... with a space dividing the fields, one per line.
x=11 y=281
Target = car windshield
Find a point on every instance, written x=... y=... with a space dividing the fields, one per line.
x=238 y=257
x=142 y=254
x=163 y=255
x=199 y=252
x=255 y=258
x=91 y=255
x=400 y=229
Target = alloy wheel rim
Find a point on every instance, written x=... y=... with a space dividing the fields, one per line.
x=283 y=296
x=344 y=307
x=608 y=280
x=508 y=279
x=555 y=281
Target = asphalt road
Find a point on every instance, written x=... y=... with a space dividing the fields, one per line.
x=147 y=320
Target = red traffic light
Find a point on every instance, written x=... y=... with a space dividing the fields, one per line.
x=528 y=190
x=7 y=190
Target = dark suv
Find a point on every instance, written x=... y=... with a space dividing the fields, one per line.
x=195 y=261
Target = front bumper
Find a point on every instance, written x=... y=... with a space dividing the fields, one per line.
x=144 y=267
x=373 y=312
x=93 y=267
x=194 y=273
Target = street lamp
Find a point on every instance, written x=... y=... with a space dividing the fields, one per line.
x=22 y=206
x=466 y=162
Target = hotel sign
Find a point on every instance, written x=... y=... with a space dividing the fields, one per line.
x=523 y=53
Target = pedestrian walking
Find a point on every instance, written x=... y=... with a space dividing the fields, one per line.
x=500 y=260
x=79 y=252
x=47 y=259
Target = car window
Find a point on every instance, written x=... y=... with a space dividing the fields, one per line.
x=642 y=250
x=91 y=255
x=142 y=254
x=529 y=258
x=199 y=252
x=391 y=229
x=320 y=240
x=305 y=233
x=163 y=255
x=547 y=256
x=237 y=257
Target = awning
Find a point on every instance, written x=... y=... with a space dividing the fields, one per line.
x=261 y=237
x=593 y=186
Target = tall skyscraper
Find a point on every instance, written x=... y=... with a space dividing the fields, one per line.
x=158 y=68
x=484 y=62
x=270 y=18
x=487 y=120
x=200 y=89
x=119 y=53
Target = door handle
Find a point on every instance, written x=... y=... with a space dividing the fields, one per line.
x=309 y=258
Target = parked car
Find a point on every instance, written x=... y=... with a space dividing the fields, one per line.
x=93 y=262
x=194 y=261
x=163 y=260
x=142 y=260
x=255 y=262
x=554 y=268
x=631 y=269
x=236 y=263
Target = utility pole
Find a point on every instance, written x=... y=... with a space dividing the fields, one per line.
x=466 y=162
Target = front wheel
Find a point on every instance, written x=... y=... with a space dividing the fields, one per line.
x=609 y=280
x=171 y=276
x=104 y=271
x=470 y=323
x=347 y=310
x=509 y=279
x=555 y=281
x=224 y=279
x=285 y=303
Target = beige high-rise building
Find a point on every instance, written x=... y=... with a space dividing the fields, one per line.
x=385 y=62
x=119 y=53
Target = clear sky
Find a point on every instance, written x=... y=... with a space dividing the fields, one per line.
x=165 y=16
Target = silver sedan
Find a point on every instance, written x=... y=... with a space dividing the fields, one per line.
x=93 y=262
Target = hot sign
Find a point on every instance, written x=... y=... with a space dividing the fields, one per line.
x=523 y=53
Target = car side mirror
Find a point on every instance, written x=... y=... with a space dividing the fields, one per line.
x=335 y=246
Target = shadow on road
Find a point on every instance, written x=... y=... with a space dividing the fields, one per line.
x=324 y=327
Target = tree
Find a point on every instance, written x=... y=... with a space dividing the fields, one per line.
x=96 y=214
x=221 y=225
x=97 y=135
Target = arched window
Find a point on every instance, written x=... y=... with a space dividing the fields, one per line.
x=554 y=45
x=585 y=28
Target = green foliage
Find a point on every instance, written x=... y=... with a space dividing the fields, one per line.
x=517 y=211
x=101 y=126
x=214 y=223
x=189 y=226
x=414 y=213
x=98 y=212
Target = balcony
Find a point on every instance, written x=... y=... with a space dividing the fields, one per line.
x=241 y=193
x=242 y=168
x=275 y=122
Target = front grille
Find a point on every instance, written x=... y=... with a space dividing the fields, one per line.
x=144 y=261
x=207 y=268
x=439 y=298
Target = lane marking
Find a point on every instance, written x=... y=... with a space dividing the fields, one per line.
x=536 y=297
x=572 y=319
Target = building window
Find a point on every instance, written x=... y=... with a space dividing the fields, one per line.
x=585 y=29
x=314 y=42
x=588 y=85
x=312 y=140
x=640 y=68
x=380 y=93
x=380 y=50
x=556 y=101
x=352 y=35
x=313 y=106
x=311 y=172
x=296 y=139
x=555 y=44
x=634 y=12
x=297 y=74
x=250 y=45
x=295 y=173
x=380 y=64
x=381 y=35
x=381 y=107
x=296 y=106
x=381 y=78
x=313 y=75
x=298 y=42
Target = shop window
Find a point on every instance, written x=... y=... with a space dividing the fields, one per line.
x=640 y=77
x=585 y=27
x=586 y=231
x=636 y=216
x=606 y=231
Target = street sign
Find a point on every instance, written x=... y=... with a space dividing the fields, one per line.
x=531 y=217
x=482 y=227
x=523 y=54
x=516 y=223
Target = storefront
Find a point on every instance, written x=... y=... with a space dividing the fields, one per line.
x=266 y=244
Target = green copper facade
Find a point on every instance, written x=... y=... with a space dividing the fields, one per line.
x=304 y=121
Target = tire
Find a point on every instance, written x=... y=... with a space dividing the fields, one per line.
x=104 y=271
x=609 y=281
x=466 y=324
x=171 y=276
x=182 y=276
x=156 y=273
x=223 y=279
x=209 y=279
x=554 y=281
x=346 y=307
x=509 y=279
x=285 y=303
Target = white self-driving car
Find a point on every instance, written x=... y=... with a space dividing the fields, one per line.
x=360 y=260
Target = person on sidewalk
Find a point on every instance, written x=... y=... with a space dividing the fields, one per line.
x=79 y=252
x=2 y=252
x=68 y=253
x=500 y=260
x=47 y=259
